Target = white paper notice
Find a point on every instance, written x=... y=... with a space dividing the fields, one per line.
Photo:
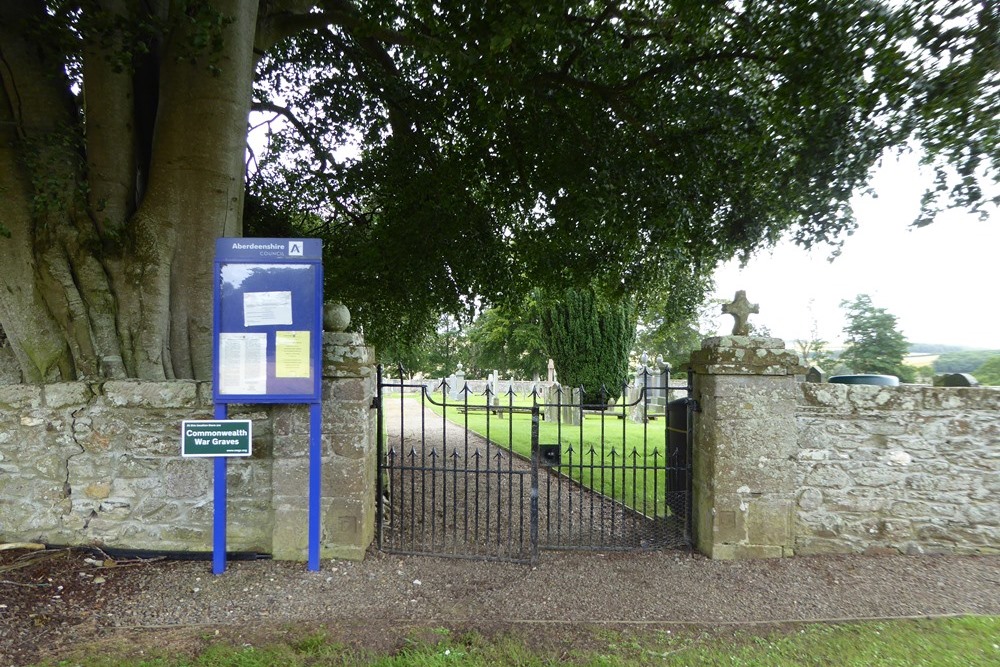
x=242 y=363
x=267 y=308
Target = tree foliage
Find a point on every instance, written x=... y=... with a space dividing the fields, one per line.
x=874 y=344
x=965 y=361
x=435 y=352
x=451 y=153
x=508 y=339
x=589 y=338
x=515 y=144
x=669 y=322
x=814 y=352
x=988 y=372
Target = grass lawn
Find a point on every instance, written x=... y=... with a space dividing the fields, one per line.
x=950 y=642
x=620 y=458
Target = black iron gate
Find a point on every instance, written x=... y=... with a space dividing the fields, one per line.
x=499 y=475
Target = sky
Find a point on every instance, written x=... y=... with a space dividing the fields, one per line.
x=942 y=282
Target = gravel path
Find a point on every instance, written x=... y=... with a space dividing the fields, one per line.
x=656 y=587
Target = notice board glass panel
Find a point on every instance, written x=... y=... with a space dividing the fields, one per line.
x=269 y=332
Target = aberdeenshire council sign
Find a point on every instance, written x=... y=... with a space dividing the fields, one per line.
x=216 y=437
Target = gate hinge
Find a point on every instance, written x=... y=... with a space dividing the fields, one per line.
x=376 y=403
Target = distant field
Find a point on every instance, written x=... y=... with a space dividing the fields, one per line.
x=920 y=359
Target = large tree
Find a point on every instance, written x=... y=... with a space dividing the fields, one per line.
x=493 y=145
x=874 y=344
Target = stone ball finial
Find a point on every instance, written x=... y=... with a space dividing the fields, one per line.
x=336 y=316
x=741 y=309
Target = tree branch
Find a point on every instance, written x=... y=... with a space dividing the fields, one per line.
x=321 y=153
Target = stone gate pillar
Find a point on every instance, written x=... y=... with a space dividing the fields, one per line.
x=744 y=447
x=348 y=452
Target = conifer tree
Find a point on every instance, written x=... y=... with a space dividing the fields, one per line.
x=589 y=339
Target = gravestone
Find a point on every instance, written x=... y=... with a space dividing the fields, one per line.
x=551 y=396
x=456 y=384
x=552 y=371
x=637 y=398
x=571 y=414
x=659 y=392
x=815 y=374
x=959 y=380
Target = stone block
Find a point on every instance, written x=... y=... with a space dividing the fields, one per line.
x=808 y=545
x=346 y=354
x=742 y=342
x=145 y=394
x=762 y=476
x=206 y=399
x=348 y=528
x=769 y=522
x=348 y=446
x=20 y=396
x=360 y=390
x=98 y=490
x=290 y=536
x=828 y=476
x=879 y=476
x=291 y=446
x=188 y=478
x=188 y=538
x=729 y=527
x=857 y=500
x=751 y=439
x=290 y=477
x=958 y=398
x=345 y=478
x=831 y=396
x=65 y=394
x=290 y=420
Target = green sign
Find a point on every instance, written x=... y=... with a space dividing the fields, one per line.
x=216 y=437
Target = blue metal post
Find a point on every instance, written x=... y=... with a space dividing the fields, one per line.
x=219 y=504
x=315 y=479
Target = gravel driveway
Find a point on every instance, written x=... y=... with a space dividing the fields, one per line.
x=374 y=603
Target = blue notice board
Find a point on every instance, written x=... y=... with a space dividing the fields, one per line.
x=268 y=328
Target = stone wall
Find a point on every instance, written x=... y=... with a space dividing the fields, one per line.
x=99 y=463
x=910 y=469
x=783 y=467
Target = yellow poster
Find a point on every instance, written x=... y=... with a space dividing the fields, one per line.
x=291 y=355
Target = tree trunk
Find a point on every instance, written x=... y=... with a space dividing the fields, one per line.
x=107 y=270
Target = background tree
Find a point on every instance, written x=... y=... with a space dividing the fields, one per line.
x=589 y=339
x=434 y=353
x=448 y=152
x=670 y=322
x=814 y=352
x=508 y=339
x=988 y=372
x=966 y=361
x=874 y=344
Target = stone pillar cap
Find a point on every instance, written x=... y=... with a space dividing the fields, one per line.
x=749 y=342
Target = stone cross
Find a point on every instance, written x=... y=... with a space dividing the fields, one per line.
x=552 y=371
x=740 y=309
